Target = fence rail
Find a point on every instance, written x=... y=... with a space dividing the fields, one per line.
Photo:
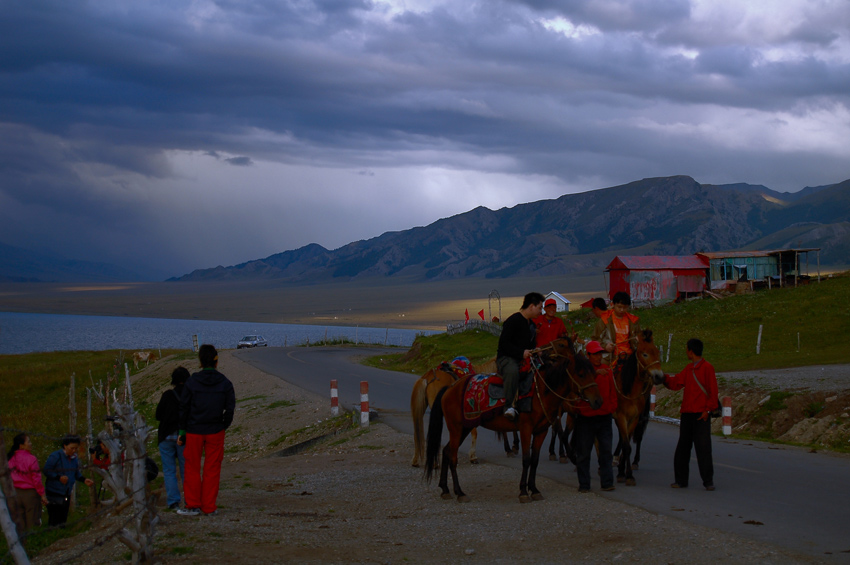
x=459 y=327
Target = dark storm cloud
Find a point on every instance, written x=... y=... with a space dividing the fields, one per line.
x=104 y=105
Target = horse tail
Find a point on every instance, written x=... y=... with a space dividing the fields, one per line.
x=418 y=406
x=435 y=434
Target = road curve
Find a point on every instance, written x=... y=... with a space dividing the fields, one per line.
x=782 y=495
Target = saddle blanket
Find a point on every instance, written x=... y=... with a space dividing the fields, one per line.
x=484 y=397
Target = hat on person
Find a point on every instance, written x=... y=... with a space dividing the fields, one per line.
x=550 y=302
x=593 y=347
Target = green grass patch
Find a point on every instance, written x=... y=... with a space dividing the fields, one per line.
x=182 y=550
x=370 y=446
x=428 y=352
x=281 y=404
x=774 y=404
x=814 y=408
x=248 y=398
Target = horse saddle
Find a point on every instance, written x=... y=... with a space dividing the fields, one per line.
x=484 y=397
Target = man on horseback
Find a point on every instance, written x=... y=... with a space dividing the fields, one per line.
x=618 y=329
x=698 y=400
x=595 y=425
x=516 y=342
x=549 y=326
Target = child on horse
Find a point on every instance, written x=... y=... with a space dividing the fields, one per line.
x=618 y=329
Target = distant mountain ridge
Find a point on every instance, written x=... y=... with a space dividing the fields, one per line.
x=25 y=265
x=666 y=215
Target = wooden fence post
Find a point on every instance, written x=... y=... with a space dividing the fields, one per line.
x=72 y=426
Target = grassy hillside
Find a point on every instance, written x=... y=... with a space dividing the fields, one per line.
x=818 y=312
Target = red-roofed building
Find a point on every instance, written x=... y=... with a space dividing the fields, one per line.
x=656 y=279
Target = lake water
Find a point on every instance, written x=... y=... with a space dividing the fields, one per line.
x=26 y=333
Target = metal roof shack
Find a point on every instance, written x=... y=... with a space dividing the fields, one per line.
x=776 y=267
x=656 y=279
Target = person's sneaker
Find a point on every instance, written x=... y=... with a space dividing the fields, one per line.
x=189 y=511
x=583 y=490
x=213 y=513
x=677 y=485
x=174 y=506
x=709 y=487
x=609 y=488
x=511 y=414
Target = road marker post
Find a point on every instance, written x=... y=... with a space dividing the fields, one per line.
x=727 y=415
x=652 y=401
x=364 y=403
x=334 y=399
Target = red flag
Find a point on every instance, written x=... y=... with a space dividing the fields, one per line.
x=481 y=313
x=466 y=313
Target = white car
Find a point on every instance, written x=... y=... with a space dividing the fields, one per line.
x=252 y=341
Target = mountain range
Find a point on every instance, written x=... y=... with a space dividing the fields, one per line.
x=577 y=232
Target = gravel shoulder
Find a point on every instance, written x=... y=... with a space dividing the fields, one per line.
x=354 y=498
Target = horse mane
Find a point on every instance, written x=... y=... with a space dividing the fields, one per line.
x=628 y=373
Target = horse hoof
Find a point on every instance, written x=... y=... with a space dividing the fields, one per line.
x=536 y=496
x=473 y=461
x=515 y=450
x=463 y=498
x=415 y=465
x=446 y=496
x=524 y=498
x=510 y=454
x=552 y=457
x=563 y=460
x=631 y=482
x=634 y=466
x=621 y=479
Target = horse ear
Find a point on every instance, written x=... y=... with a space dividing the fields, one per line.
x=647 y=336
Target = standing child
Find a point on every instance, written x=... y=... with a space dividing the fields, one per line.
x=62 y=470
x=26 y=477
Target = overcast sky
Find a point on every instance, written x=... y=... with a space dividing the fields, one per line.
x=173 y=135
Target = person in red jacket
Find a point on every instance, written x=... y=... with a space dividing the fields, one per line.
x=595 y=425
x=698 y=400
x=549 y=326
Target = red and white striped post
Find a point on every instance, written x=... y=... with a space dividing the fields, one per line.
x=334 y=399
x=652 y=401
x=727 y=415
x=364 y=403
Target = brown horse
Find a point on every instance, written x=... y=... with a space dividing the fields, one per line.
x=563 y=375
x=425 y=390
x=633 y=381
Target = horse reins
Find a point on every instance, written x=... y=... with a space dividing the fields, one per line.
x=570 y=401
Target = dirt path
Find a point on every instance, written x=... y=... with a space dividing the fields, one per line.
x=354 y=498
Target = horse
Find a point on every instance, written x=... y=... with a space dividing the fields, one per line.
x=424 y=391
x=566 y=451
x=633 y=381
x=562 y=375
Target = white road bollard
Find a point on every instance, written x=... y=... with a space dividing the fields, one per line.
x=334 y=399
x=727 y=415
x=364 y=403
x=652 y=401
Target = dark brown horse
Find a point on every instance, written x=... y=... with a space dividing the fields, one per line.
x=633 y=381
x=563 y=375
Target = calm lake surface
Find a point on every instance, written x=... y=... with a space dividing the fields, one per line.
x=27 y=333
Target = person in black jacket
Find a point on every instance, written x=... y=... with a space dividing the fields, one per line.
x=168 y=414
x=206 y=411
x=515 y=345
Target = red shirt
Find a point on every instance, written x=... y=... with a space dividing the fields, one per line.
x=606 y=391
x=693 y=399
x=548 y=329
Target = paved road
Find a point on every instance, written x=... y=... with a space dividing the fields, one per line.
x=791 y=497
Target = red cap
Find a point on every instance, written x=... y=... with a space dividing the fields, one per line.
x=593 y=347
x=550 y=302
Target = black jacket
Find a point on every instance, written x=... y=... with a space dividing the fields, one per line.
x=168 y=413
x=517 y=336
x=207 y=403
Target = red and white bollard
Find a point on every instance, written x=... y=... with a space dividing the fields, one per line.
x=334 y=399
x=727 y=415
x=652 y=401
x=364 y=403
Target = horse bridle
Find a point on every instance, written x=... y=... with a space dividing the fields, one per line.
x=648 y=385
x=570 y=401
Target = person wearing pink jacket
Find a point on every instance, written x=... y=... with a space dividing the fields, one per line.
x=26 y=476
